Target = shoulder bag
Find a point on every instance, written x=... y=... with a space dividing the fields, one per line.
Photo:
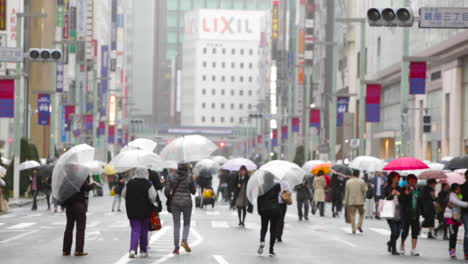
x=169 y=199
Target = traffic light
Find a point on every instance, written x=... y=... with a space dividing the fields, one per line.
x=252 y=116
x=390 y=17
x=222 y=144
x=45 y=55
x=427 y=124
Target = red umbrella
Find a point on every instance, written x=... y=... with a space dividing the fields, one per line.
x=327 y=179
x=406 y=163
x=432 y=174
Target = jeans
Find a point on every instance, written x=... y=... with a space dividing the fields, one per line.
x=187 y=214
x=117 y=200
x=139 y=234
x=453 y=231
x=300 y=205
x=465 y=238
x=34 y=197
x=395 y=228
x=273 y=220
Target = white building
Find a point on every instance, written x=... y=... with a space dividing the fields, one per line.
x=220 y=68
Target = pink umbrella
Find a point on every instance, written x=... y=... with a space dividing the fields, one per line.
x=432 y=174
x=453 y=177
x=406 y=163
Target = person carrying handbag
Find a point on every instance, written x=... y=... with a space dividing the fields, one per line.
x=393 y=191
x=179 y=190
x=453 y=217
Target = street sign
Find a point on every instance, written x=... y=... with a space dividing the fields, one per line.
x=432 y=17
x=11 y=54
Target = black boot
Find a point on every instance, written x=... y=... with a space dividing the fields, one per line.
x=389 y=247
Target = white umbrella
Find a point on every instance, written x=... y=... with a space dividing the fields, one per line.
x=170 y=164
x=236 y=164
x=43 y=161
x=261 y=181
x=205 y=167
x=142 y=144
x=6 y=161
x=69 y=173
x=220 y=160
x=188 y=149
x=3 y=171
x=436 y=166
x=29 y=164
x=96 y=166
x=131 y=159
x=367 y=163
x=447 y=158
x=309 y=165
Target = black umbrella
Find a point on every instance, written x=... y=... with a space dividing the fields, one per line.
x=343 y=169
x=457 y=163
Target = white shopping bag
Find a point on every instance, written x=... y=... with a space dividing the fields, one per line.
x=389 y=209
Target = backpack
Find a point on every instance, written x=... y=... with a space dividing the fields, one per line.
x=370 y=192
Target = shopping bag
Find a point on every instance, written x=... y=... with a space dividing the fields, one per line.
x=389 y=209
x=112 y=192
x=155 y=221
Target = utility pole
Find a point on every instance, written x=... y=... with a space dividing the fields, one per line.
x=404 y=90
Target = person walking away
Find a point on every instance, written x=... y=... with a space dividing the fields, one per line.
x=442 y=202
x=223 y=185
x=75 y=210
x=303 y=198
x=391 y=191
x=47 y=189
x=370 y=201
x=453 y=215
x=231 y=190
x=378 y=181
x=428 y=198
x=283 y=205
x=34 y=181
x=319 y=193
x=337 y=190
x=118 y=187
x=269 y=210
x=140 y=196
x=355 y=194
x=179 y=189
x=410 y=205
x=464 y=193
x=240 y=194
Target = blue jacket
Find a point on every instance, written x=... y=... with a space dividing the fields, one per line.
x=383 y=183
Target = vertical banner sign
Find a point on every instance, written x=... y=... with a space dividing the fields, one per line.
x=315 y=119
x=89 y=121
x=60 y=13
x=101 y=128
x=3 y=14
x=104 y=76
x=63 y=125
x=274 y=30
x=373 y=103
x=274 y=139
x=43 y=109
x=7 y=98
x=417 y=76
x=342 y=104
x=111 y=139
x=284 y=132
x=267 y=137
x=259 y=139
x=72 y=34
x=69 y=110
x=253 y=143
x=114 y=25
x=296 y=121
x=66 y=19
x=120 y=137
x=59 y=80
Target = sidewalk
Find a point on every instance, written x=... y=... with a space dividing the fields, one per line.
x=12 y=203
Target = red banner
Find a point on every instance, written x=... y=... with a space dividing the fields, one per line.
x=259 y=139
x=7 y=98
x=69 y=110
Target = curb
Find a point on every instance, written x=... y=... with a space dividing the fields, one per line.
x=21 y=203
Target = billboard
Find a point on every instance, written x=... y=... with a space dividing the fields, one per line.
x=211 y=24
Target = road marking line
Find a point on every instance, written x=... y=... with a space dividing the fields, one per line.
x=220 y=259
x=344 y=242
x=18 y=236
x=213 y=213
x=94 y=224
x=291 y=215
x=381 y=231
x=348 y=230
x=2 y=224
x=7 y=216
x=219 y=224
x=21 y=225
x=198 y=241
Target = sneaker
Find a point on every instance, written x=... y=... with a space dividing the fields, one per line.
x=175 y=252
x=260 y=248
x=132 y=254
x=272 y=254
x=144 y=254
x=186 y=247
x=414 y=253
x=402 y=249
x=453 y=254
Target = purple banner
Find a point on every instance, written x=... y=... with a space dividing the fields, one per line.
x=59 y=82
x=43 y=109
x=342 y=104
x=104 y=76
x=372 y=112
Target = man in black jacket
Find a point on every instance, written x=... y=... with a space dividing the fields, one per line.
x=464 y=192
x=303 y=198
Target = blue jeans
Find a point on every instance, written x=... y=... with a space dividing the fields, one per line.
x=465 y=238
x=34 y=197
x=395 y=228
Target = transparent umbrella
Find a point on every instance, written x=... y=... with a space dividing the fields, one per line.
x=3 y=171
x=96 y=166
x=142 y=144
x=308 y=166
x=188 y=149
x=205 y=167
x=270 y=174
x=367 y=163
x=219 y=159
x=29 y=164
x=69 y=173
x=236 y=164
x=135 y=158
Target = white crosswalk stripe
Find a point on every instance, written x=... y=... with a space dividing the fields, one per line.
x=381 y=231
x=213 y=213
x=21 y=225
x=219 y=224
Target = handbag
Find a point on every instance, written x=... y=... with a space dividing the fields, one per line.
x=389 y=209
x=155 y=221
x=112 y=192
x=169 y=199
x=158 y=201
x=286 y=197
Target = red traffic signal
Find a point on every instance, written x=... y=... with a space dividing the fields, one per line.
x=222 y=144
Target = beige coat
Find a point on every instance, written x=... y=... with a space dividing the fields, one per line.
x=355 y=193
x=319 y=188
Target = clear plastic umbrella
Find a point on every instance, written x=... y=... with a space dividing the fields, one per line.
x=220 y=160
x=206 y=167
x=69 y=173
x=142 y=144
x=96 y=166
x=131 y=159
x=236 y=164
x=308 y=166
x=188 y=149
x=367 y=163
x=29 y=164
x=3 y=171
x=271 y=173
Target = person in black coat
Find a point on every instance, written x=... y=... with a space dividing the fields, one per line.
x=303 y=197
x=410 y=209
x=240 y=194
x=442 y=202
x=337 y=191
x=428 y=198
x=392 y=190
x=118 y=187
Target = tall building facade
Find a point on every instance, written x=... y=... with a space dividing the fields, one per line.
x=220 y=75
x=169 y=36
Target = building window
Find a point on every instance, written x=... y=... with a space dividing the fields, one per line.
x=214 y=50
x=250 y=92
x=233 y=79
x=241 y=65
x=204 y=50
x=250 y=78
x=204 y=64
x=223 y=65
x=241 y=78
x=223 y=51
x=203 y=119
x=213 y=106
x=233 y=65
x=250 y=52
x=241 y=106
x=204 y=77
x=250 y=65
x=240 y=120
x=222 y=119
x=223 y=78
x=358 y=59
x=223 y=91
x=232 y=106
x=204 y=91
x=213 y=64
x=241 y=52
x=213 y=78
x=212 y=119
x=231 y=119
x=222 y=106
x=213 y=92
x=203 y=105
x=232 y=92
x=241 y=93
x=233 y=51
x=250 y=107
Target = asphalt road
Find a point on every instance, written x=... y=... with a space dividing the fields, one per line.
x=36 y=237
